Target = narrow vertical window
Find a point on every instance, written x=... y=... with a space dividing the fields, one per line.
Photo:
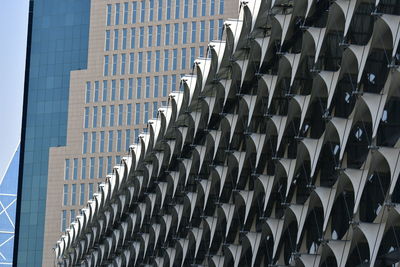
x=158 y=41
x=131 y=63
x=173 y=82
x=157 y=63
x=82 y=195
x=174 y=59
x=134 y=12
x=192 y=55
x=126 y=12
x=123 y=63
x=133 y=37
x=100 y=170
x=83 y=169
x=155 y=109
x=169 y=4
x=117 y=10
x=91 y=170
x=109 y=164
x=120 y=112
x=107 y=44
x=113 y=89
x=220 y=28
x=212 y=7
x=141 y=37
x=121 y=89
x=88 y=88
x=184 y=33
x=138 y=88
x=183 y=62
x=109 y=8
x=150 y=36
x=137 y=113
x=75 y=172
x=124 y=36
x=63 y=220
x=129 y=115
x=86 y=118
x=72 y=216
x=211 y=30
x=147 y=87
x=165 y=86
x=166 y=60
x=85 y=143
x=176 y=33
x=221 y=7
x=103 y=116
x=140 y=62
x=96 y=91
x=159 y=15
x=95 y=117
x=177 y=8
x=105 y=85
x=73 y=194
x=202 y=30
x=194 y=10
x=90 y=193
x=119 y=141
x=155 y=86
x=136 y=136
x=94 y=142
x=116 y=39
x=106 y=62
x=167 y=33
x=142 y=10
x=130 y=88
x=111 y=115
x=110 y=140
x=101 y=147
x=148 y=64
x=146 y=112
x=65 y=195
x=186 y=9
x=127 y=139
x=66 y=173
x=203 y=7
x=115 y=63
x=151 y=10
x=194 y=32
x=201 y=51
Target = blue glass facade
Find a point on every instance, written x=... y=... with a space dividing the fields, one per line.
x=8 y=197
x=57 y=43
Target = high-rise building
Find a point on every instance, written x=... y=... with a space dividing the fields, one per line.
x=281 y=149
x=8 y=200
x=97 y=72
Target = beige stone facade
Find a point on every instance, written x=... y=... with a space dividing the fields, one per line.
x=76 y=169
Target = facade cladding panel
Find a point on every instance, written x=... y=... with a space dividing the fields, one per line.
x=131 y=69
x=280 y=149
x=57 y=44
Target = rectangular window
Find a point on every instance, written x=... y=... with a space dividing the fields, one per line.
x=75 y=173
x=134 y=12
x=157 y=63
x=100 y=171
x=110 y=140
x=63 y=220
x=158 y=41
x=159 y=15
x=186 y=9
x=212 y=7
x=117 y=159
x=173 y=82
x=106 y=62
x=113 y=89
x=82 y=195
x=116 y=34
x=192 y=55
x=150 y=36
x=90 y=193
x=148 y=64
x=96 y=91
x=119 y=137
x=93 y=142
x=73 y=194
x=169 y=4
x=85 y=143
x=88 y=88
x=167 y=33
x=105 y=85
x=117 y=10
x=124 y=36
x=133 y=37
x=177 y=8
x=111 y=116
x=121 y=89
x=138 y=88
x=146 y=112
x=109 y=8
x=115 y=63
x=131 y=63
x=155 y=86
x=166 y=60
x=155 y=109
x=140 y=62
x=141 y=37
x=120 y=113
x=184 y=33
x=165 y=86
x=66 y=173
x=202 y=30
x=126 y=13
x=203 y=7
x=211 y=30
x=65 y=195
x=147 y=91
x=176 y=33
x=127 y=139
x=151 y=10
x=129 y=115
x=142 y=11
x=220 y=28
x=130 y=88
x=95 y=117
x=137 y=119
x=83 y=169
x=103 y=116
x=201 y=51
x=91 y=170
x=109 y=164
x=102 y=136
x=86 y=118
x=174 y=59
x=194 y=10
x=107 y=44
x=194 y=32
x=136 y=136
x=221 y=7
x=72 y=217
x=183 y=62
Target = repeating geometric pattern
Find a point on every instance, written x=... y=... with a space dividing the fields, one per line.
x=281 y=149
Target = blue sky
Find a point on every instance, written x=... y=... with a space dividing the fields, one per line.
x=13 y=28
